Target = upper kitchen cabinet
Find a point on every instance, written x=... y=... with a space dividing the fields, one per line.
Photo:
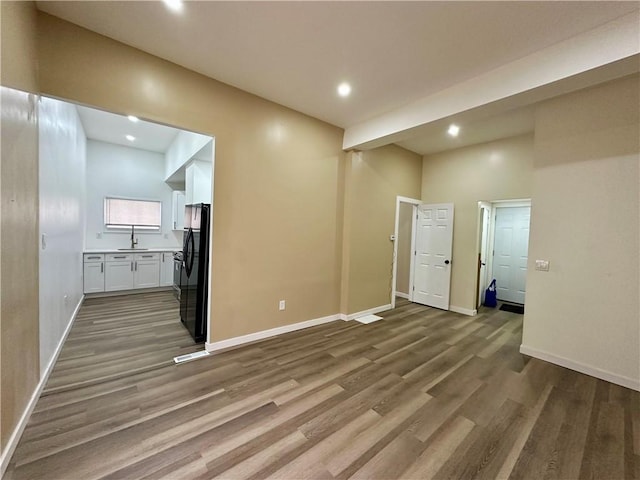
x=198 y=182
x=189 y=167
x=177 y=210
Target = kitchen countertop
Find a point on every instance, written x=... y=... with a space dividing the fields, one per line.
x=136 y=250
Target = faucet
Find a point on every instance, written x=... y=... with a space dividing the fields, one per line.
x=133 y=242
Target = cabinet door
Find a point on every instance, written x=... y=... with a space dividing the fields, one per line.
x=198 y=182
x=166 y=269
x=118 y=276
x=93 y=277
x=146 y=274
x=178 y=210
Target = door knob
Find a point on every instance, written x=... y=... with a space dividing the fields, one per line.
x=446 y=262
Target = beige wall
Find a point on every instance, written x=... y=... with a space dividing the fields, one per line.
x=585 y=221
x=19 y=362
x=276 y=231
x=497 y=170
x=18 y=46
x=405 y=221
x=376 y=177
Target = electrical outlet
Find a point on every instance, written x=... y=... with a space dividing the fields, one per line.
x=542 y=265
x=281 y=305
x=98 y=235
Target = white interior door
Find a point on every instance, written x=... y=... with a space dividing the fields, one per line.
x=510 y=254
x=432 y=255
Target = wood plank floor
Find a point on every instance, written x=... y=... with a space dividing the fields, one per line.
x=420 y=394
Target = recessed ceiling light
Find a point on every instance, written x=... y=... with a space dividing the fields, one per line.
x=131 y=138
x=132 y=118
x=344 y=89
x=453 y=130
x=174 y=5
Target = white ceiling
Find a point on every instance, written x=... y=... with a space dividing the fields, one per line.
x=393 y=53
x=113 y=128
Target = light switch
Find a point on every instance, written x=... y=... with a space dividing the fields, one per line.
x=542 y=265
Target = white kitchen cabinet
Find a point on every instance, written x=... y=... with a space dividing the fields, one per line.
x=112 y=272
x=166 y=269
x=198 y=182
x=118 y=272
x=178 y=202
x=93 y=273
x=146 y=270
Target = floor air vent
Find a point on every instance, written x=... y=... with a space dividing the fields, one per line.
x=368 y=319
x=191 y=356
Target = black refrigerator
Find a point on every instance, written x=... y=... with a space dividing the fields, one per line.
x=194 y=282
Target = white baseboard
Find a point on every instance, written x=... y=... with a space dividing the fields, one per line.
x=12 y=443
x=371 y=311
x=56 y=353
x=463 y=311
x=402 y=295
x=631 y=383
x=272 y=332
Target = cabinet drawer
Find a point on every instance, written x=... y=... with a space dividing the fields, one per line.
x=147 y=256
x=119 y=257
x=93 y=257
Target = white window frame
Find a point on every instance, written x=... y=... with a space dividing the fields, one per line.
x=127 y=227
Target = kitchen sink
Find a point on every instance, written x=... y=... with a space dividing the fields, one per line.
x=132 y=249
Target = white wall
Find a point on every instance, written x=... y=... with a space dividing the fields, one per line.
x=584 y=312
x=62 y=160
x=114 y=170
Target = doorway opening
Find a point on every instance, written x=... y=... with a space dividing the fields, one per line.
x=403 y=247
x=87 y=156
x=502 y=249
x=423 y=241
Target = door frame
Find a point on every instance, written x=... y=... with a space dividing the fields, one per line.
x=413 y=202
x=490 y=247
x=211 y=217
x=483 y=251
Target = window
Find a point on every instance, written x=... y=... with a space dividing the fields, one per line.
x=125 y=212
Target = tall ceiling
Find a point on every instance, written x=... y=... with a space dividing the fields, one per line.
x=392 y=53
x=113 y=128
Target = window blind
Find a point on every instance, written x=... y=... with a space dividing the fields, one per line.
x=122 y=212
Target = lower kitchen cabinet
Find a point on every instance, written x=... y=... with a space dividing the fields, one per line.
x=93 y=273
x=118 y=273
x=146 y=271
x=112 y=272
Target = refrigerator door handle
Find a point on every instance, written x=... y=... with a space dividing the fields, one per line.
x=192 y=249
x=185 y=248
x=189 y=245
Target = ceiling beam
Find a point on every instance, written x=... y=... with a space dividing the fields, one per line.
x=609 y=51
